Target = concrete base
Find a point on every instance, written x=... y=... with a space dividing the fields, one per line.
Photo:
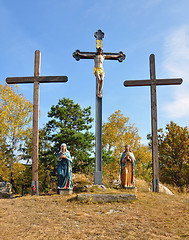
x=98 y=178
x=130 y=188
x=62 y=191
x=106 y=197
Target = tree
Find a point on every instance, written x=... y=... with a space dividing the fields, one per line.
x=70 y=124
x=118 y=132
x=143 y=157
x=15 y=117
x=5 y=156
x=47 y=160
x=174 y=155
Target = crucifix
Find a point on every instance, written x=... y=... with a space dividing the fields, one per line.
x=152 y=83
x=35 y=139
x=99 y=56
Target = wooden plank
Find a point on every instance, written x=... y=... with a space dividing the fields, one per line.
x=18 y=80
x=173 y=81
x=53 y=79
x=154 y=125
x=91 y=55
x=88 y=55
x=152 y=83
x=41 y=79
x=136 y=83
x=35 y=140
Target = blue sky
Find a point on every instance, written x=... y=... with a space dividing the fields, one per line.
x=138 y=28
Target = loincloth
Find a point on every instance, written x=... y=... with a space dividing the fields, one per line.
x=99 y=70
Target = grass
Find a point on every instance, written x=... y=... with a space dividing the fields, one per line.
x=151 y=216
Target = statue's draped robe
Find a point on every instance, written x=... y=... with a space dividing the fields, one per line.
x=128 y=170
x=64 y=169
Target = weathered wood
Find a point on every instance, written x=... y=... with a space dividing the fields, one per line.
x=152 y=83
x=91 y=55
x=136 y=83
x=40 y=79
x=35 y=140
x=154 y=125
x=35 y=143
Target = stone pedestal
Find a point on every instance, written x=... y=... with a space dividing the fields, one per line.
x=130 y=188
x=106 y=197
x=62 y=191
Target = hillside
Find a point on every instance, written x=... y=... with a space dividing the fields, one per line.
x=151 y=216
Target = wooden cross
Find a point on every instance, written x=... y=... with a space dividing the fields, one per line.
x=152 y=83
x=35 y=140
x=99 y=35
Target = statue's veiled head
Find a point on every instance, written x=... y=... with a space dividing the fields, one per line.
x=127 y=148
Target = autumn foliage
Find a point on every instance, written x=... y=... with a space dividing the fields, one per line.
x=116 y=133
x=174 y=155
x=71 y=124
x=15 y=117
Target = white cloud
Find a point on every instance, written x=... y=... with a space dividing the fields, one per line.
x=176 y=64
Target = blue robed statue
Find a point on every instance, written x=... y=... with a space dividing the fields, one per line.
x=64 y=168
x=127 y=168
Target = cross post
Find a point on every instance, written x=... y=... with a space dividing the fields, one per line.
x=35 y=138
x=153 y=82
x=99 y=56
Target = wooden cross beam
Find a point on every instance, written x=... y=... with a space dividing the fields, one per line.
x=99 y=73
x=152 y=83
x=120 y=56
x=35 y=139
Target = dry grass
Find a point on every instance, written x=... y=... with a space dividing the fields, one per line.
x=151 y=216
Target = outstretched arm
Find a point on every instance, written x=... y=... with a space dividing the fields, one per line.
x=83 y=55
x=115 y=56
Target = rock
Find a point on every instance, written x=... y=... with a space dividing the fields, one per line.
x=116 y=182
x=102 y=187
x=95 y=187
x=165 y=190
x=162 y=189
x=110 y=212
x=106 y=197
x=5 y=189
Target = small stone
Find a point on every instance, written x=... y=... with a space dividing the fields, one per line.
x=111 y=211
x=116 y=182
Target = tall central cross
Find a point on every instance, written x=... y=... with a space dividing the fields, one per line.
x=152 y=83
x=99 y=56
x=35 y=139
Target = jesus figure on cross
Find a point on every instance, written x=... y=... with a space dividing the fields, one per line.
x=99 y=56
x=98 y=68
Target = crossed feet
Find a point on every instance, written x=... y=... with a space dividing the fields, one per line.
x=99 y=95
